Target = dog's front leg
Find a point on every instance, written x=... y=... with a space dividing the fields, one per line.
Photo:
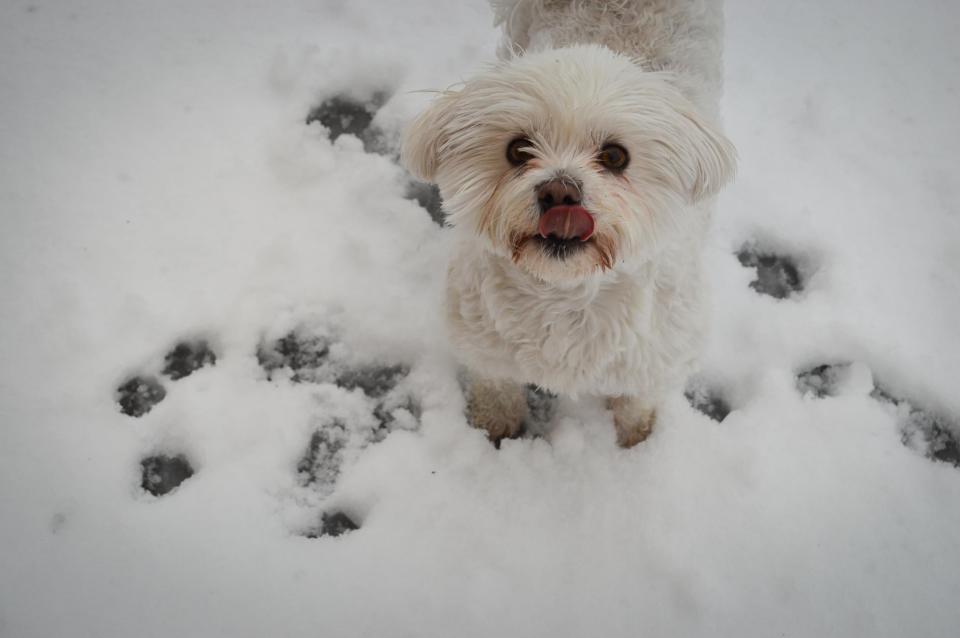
x=497 y=406
x=633 y=418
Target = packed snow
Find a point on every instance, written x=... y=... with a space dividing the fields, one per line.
x=227 y=407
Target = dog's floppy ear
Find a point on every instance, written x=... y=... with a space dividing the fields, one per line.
x=688 y=152
x=699 y=159
x=710 y=154
x=426 y=135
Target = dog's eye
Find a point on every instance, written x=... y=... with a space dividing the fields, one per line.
x=614 y=157
x=516 y=154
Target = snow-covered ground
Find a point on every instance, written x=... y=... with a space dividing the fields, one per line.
x=158 y=186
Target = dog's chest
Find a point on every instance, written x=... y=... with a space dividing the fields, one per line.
x=597 y=337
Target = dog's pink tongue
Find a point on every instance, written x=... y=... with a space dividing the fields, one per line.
x=566 y=222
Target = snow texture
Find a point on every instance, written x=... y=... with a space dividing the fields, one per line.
x=226 y=403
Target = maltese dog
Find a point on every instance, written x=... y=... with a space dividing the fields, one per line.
x=578 y=175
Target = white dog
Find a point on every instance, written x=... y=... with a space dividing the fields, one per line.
x=578 y=175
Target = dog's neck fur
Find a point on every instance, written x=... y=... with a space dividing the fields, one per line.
x=679 y=36
x=599 y=335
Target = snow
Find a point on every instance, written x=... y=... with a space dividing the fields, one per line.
x=159 y=185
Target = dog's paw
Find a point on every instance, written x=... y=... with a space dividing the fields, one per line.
x=497 y=426
x=778 y=275
x=162 y=474
x=497 y=407
x=633 y=419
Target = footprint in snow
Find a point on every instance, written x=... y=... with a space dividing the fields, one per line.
x=300 y=356
x=305 y=357
x=778 y=275
x=160 y=474
x=345 y=114
x=707 y=399
x=138 y=394
x=933 y=434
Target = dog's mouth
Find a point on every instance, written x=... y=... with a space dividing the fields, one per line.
x=566 y=223
x=564 y=230
x=564 y=246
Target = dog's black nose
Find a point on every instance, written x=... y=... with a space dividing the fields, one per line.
x=557 y=192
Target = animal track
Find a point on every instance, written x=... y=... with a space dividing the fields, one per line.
x=344 y=114
x=312 y=358
x=933 y=434
x=428 y=196
x=332 y=524
x=300 y=356
x=139 y=394
x=778 y=276
x=303 y=355
x=822 y=380
x=307 y=358
x=707 y=400
x=162 y=474
x=321 y=462
x=373 y=380
x=187 y=357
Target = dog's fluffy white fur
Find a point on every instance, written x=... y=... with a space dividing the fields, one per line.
x=622 y=315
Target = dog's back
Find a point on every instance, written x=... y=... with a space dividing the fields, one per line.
x=681 y=36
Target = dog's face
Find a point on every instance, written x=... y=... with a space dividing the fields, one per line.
x=569 y=161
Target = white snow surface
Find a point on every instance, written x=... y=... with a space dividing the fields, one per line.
x=157 y=183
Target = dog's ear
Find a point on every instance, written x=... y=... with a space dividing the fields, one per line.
x=688 y=152
x=700 y=158
x=712 y=156
x=425 y=136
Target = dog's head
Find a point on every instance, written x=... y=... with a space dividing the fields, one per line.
x=569 y=161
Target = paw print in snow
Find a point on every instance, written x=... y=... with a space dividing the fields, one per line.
x=139 y=394
x=778 y=275
x=936 y=435
x=707 y=400
x=305 y=357
x=161 y=474
x=346 y=114
x=933 y=434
